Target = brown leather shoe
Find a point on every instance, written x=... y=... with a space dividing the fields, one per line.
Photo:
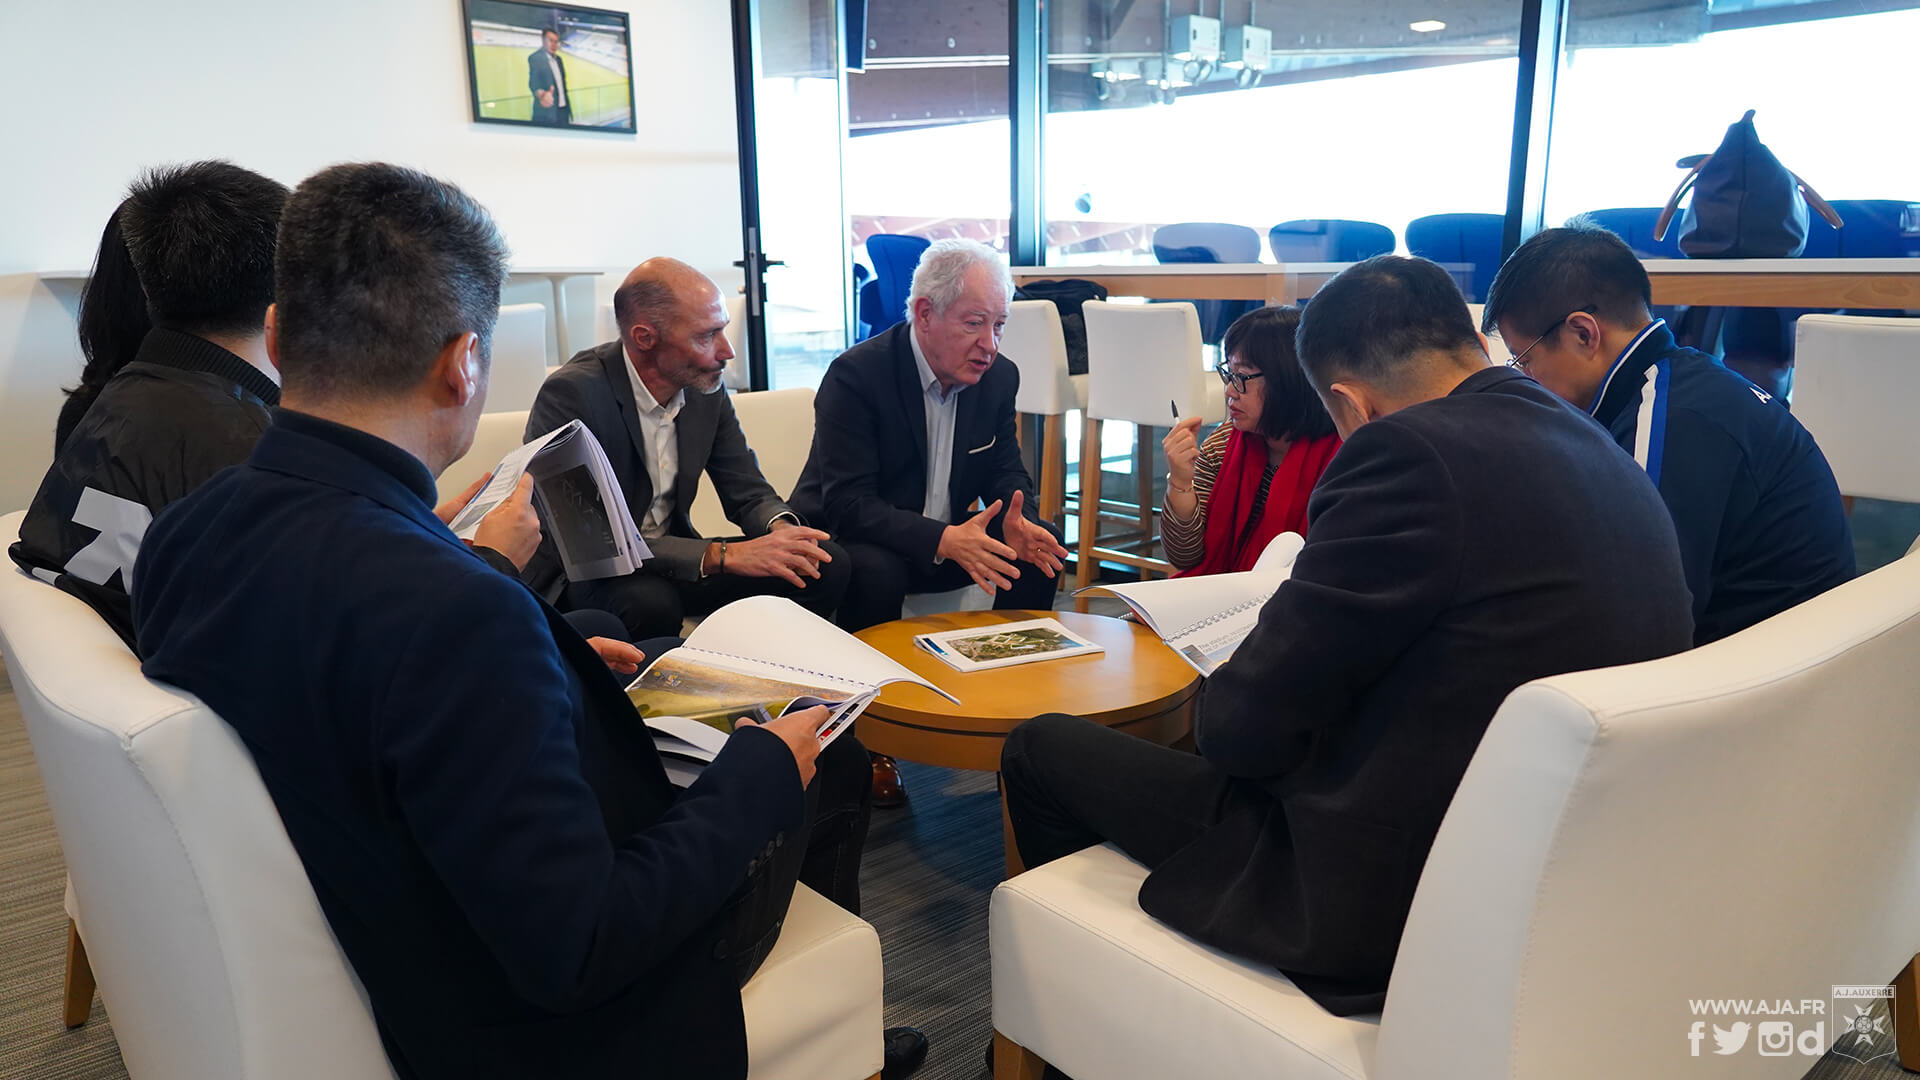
x=888 y=790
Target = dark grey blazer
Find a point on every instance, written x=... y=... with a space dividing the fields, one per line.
x=595 y=389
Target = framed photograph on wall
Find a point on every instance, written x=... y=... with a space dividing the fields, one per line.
x=549 y=65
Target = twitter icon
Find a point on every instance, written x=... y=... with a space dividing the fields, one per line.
x=1730 y=1042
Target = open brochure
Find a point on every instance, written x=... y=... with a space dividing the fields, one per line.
x=1205 y=619
x=580 y=501
x=983 y=648
x=760 y=657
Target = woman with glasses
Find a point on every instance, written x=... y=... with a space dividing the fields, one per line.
x=1249 y=481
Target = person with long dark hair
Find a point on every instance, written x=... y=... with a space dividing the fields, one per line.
x=113 y=320
x=1249 y=481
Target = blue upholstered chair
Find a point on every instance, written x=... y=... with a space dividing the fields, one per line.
x=865 y=294
x=1210 y=242
x=894 y=258
x=1472 y=239
x=1328 y=240
x=1875 y=229
x=1634 y=224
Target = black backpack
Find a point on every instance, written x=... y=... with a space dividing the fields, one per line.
x=1067 y=296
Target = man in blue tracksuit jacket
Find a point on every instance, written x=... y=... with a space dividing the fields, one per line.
x=1759 y=517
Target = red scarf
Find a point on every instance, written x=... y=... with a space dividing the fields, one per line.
x=1233 y=543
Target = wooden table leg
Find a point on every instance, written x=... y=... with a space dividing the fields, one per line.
x=1011 y=1061
x=1906 y=1016
x=79 y=994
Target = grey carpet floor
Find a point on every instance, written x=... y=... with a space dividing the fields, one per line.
x=929 y=870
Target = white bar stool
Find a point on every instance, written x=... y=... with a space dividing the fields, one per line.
x=1139 y=358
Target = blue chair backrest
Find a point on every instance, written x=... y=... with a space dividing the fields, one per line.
x=1874 y=229
x=1328 y=240
x=894 y=258
x=1209 y=242
x=1634 y=224
x=1473 y=239
x=1205 y=242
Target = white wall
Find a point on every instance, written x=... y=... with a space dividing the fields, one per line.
x=99 y=91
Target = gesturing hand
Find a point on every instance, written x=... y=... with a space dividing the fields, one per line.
x=789 y=552
x=1183 y=449
x=512 y=528
x=799 y=730
x=618 y=655
x=1030 y=541
x=545 y=97
x=986 y=560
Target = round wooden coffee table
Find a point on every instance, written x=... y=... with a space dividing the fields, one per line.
x=1138 y=686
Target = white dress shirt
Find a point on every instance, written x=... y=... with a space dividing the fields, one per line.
x=943 y=408
x=559 y=81
x=662 y=451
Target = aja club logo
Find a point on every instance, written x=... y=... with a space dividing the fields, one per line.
x=1861 y=1027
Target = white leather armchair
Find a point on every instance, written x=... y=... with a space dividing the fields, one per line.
x=778 y=425
x=211 y=952
x=1856 y=379
x=496 y=436
x=1736 y=821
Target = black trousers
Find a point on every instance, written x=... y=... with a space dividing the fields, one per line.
x=1071 y=783
x=882 y=578
x=825 y=858
x=653 y=606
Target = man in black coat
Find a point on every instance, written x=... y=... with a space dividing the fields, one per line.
x=482 y=815
x=911 y=428
x=193 y=400
x=1473 y=533
x=547 y=81
x=654 y=402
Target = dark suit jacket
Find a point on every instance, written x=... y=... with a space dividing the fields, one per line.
x=479 y=810
x=867 y=474
x=595 y=389
x=540 y=77
x=1460 y=548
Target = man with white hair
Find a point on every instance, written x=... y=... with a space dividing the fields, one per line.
x=912 y=428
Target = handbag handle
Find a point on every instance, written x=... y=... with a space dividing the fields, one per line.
x=1820 y=206
x=1673 y=201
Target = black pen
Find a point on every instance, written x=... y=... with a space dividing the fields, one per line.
x=1175 y=406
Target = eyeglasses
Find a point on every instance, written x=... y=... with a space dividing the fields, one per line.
x=1520 y=358
x=1235 y=379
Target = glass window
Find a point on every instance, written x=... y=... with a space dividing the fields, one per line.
x=1831 y=98
x=1259 y=114
x=928 y=154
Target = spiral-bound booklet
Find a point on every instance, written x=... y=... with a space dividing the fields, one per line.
x=758 y=658
x=578 y=498
x=1205 y=619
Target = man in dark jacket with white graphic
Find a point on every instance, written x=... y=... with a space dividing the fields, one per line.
x=194 y=399
x=1758 y=514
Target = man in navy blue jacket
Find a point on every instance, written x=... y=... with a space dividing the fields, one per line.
x=1759 y=516
x=482 y=816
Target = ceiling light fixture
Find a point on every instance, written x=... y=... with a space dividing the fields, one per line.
x=1426 y=26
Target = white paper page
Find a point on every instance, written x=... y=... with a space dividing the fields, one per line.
x=1205 y=618
x=680 y=772
x=776 y=638
x=506 y=477
x=703 y=739
x=573 y=515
